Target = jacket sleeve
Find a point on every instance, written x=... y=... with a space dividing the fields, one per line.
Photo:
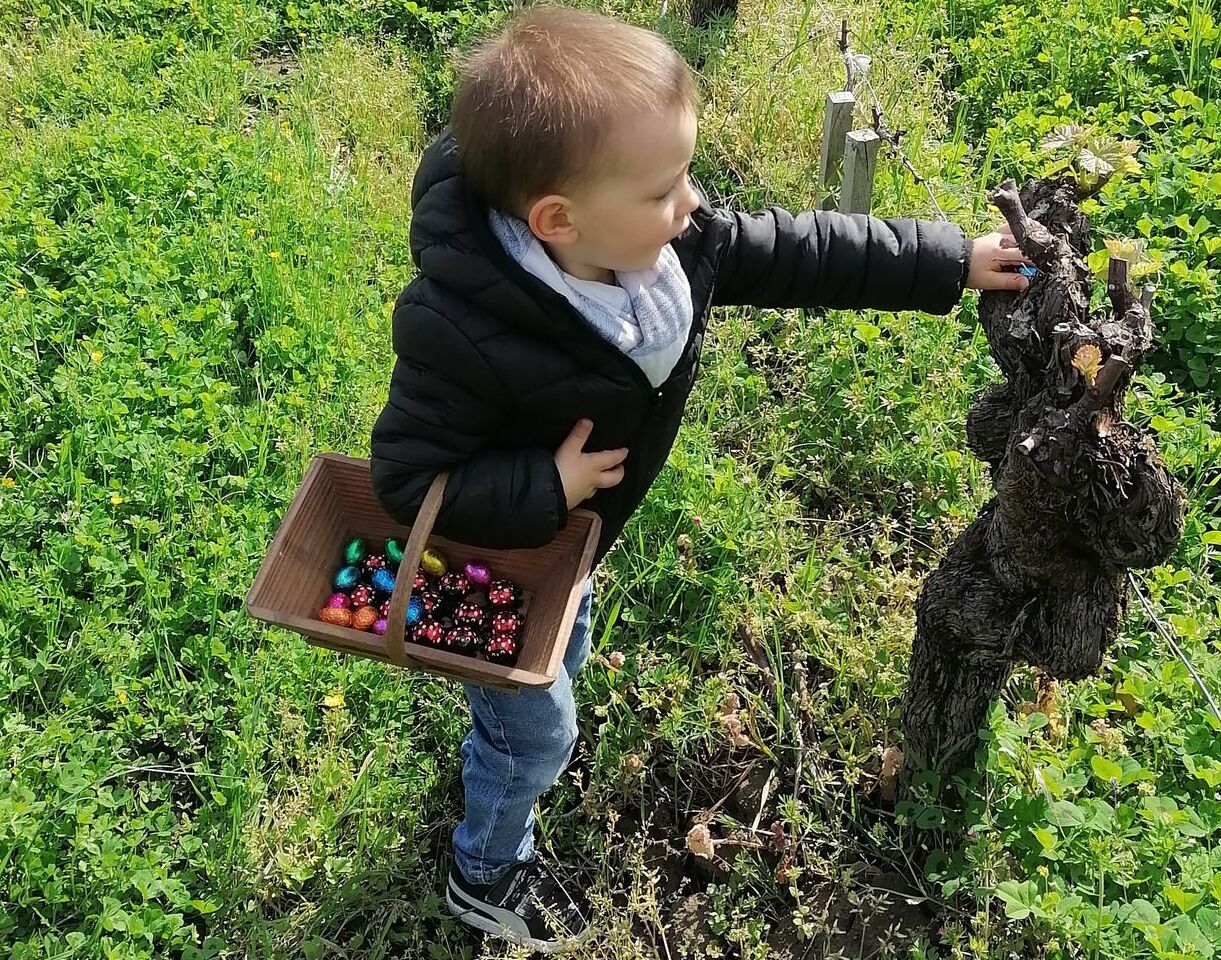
x=774 y=258
x=444 y=409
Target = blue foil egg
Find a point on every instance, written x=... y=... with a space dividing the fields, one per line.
x=383 y=580
x=415 y=610
x=347 y=577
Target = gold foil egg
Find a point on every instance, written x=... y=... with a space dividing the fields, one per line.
x=433 y=563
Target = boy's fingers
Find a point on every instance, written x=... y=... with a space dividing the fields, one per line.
x=1011 y=256
x=609 y=478
x=575 y=441
x=998 y=280
x=608 y=459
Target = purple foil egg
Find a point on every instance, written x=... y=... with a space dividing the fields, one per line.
x=478 y=573
x=380 y=625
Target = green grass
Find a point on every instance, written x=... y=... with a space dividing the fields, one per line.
x=204 y=213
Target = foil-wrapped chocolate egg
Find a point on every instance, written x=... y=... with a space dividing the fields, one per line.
x=354 y=551
x=415 y=611
x=339 y=599
x=362 y=596
x=347 y=577
x=463 y=639
x=506 y=623
x=433 y=601
x=394 y=553
x=478 y=573
x=338 y=616
x=503 y=593
x=433 y=563
x=454 y=586
x=429 y=631
x=383 y=581
x=470 y=614
x=502 y=649
x=375 y=561
x=384 y=608
x=380 y=625
x=421 y=581
x=364 y=618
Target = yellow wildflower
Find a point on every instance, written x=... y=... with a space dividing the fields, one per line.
x=115 y=499
x=333 y=700
x=274 y=254
x=95 y=356
x=8 y=482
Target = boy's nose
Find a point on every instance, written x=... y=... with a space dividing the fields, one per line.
x=692 y=198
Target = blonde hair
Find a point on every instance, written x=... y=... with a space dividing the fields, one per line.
x=534 y=105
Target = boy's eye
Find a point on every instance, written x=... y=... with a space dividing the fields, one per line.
x=669 y=192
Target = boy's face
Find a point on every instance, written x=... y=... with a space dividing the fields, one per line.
x=622 y=221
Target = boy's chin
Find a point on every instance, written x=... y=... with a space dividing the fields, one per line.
x=647 y=263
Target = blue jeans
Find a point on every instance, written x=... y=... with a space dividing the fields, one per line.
x=518 y=746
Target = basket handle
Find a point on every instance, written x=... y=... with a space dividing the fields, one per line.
x=417 y=540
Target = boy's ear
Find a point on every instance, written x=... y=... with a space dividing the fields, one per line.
x=551 y=221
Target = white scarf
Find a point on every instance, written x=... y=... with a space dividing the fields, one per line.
x=647 y=314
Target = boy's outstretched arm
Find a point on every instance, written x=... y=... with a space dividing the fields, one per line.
x=774 y=258
x=444 y=408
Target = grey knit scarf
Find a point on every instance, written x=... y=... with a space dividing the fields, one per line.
x=647 y=315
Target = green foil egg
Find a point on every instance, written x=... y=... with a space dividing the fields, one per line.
x=354 y=551
x=394 y=552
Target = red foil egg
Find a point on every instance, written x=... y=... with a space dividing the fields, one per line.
x=362 y=596
x=506 y=623
x=454 y=585
x=502 y=649
x=433 y=602
x=503 y=593
x=429 y=632
x=469 y=614
x=462 y=639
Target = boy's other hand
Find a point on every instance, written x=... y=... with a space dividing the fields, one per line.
x=583 y=474
x=994 y=259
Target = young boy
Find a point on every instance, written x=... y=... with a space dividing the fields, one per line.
x=548 y=344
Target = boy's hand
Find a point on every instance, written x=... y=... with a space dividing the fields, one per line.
x=583 y=474
x=994 y=257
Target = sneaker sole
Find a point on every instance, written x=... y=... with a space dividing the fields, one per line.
x=502 y=923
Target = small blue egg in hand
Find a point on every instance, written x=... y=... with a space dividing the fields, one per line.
x=347 y=577
x=383 y=580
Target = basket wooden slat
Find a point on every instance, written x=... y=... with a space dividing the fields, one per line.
x=336 y=502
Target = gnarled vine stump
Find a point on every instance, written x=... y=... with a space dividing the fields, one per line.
x=1081 y=495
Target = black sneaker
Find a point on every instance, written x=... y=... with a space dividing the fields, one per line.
x=527 y=906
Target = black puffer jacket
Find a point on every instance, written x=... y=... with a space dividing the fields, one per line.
x=494 y=367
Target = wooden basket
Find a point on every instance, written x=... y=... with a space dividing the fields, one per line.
x=336 y=503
